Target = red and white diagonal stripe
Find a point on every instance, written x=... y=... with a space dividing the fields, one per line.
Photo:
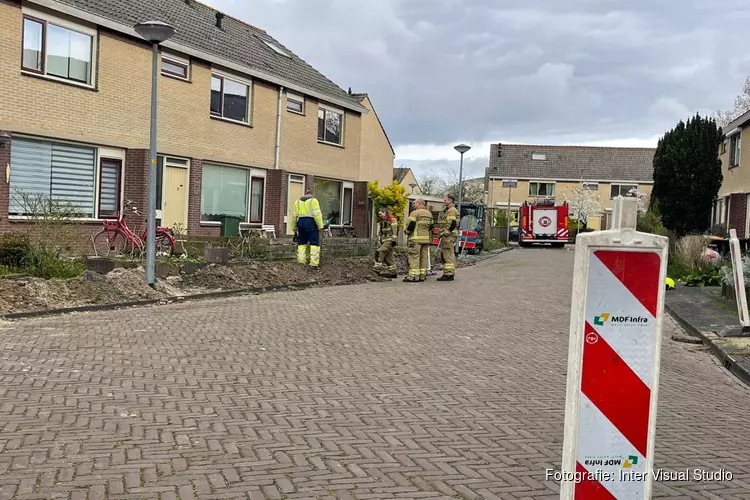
x=618 y=372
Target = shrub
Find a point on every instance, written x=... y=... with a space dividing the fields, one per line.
x=47 y=263
x=14 y=250
x=689 y=252
x=727 y=277
x=493 y=244
x=649 y=222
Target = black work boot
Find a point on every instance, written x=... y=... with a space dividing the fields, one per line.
x=445 y=278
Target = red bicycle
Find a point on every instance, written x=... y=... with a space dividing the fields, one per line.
x=116 y=237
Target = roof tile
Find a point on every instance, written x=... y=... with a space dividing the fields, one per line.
x=572 y=162
x=236 y=41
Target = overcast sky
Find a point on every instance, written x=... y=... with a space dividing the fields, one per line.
x=586 y=72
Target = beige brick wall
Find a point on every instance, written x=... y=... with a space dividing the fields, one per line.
x=737 y=179
x=376 y=156
x=117 y=113
x=301 y=152
x=409 y=178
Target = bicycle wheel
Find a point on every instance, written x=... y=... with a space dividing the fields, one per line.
x=164 y=244
x=108 y=242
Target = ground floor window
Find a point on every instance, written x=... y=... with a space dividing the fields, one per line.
x=69 y=174
x=336 y=200
x=231 y=191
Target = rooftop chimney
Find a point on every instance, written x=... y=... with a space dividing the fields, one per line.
x=219 y=17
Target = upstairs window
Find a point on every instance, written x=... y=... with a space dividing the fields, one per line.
x=330 y=122
x=57 y=51
x=541 y=189
x=734 y=150
x=295 y=103
x=622 y=190
x=175 y=67
x=230 y=99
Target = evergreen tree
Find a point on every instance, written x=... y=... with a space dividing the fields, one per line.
x=687 y=175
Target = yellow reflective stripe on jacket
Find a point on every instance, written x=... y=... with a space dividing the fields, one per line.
x=308 y=208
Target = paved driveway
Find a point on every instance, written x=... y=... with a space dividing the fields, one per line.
x=385 y=390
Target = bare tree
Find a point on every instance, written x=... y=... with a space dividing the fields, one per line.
x=472 y=190
x=741 y=105
x=432 y=185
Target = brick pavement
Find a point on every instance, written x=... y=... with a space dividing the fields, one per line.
x=310 y=394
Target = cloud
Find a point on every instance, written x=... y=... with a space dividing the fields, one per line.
x=548 y=72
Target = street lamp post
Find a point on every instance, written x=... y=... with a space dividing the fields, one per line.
x=155 y=32
x=461 y=148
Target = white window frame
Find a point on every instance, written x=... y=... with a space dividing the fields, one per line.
x=735 y=150
x=68 y=25
x=295 y=98
x=166 y=56
x=242 y=81
x=554 y=189
x=331 y=109
x=539 y=156
x=101 y=153
x=344 y=186
x=254 y=173
x=115 y=155
x=619 y=190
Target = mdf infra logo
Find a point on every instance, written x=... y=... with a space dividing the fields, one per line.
x=601 y=319
x=604 y=318
x=631 y=461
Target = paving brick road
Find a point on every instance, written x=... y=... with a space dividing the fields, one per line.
x=385 y=390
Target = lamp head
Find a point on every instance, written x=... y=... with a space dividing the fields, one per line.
x=155 y=31
x=462 y=148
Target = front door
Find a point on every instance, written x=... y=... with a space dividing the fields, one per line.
x=175 y=197
x=296 y=190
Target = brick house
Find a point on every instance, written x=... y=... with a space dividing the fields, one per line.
x=244 y=125
x=731 y=206
x=553 y=171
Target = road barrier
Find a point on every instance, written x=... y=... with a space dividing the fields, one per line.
x=613 y=361
x=738 y=273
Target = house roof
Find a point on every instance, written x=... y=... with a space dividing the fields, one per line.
x=568 y=162
x=738 y=122
x=235 y=42
x=361 y=98
x=400 y=173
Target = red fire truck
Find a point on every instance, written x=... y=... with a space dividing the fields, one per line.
x=543 y=222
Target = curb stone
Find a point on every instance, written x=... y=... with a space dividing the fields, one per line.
x=164 y=300
x=709 y=339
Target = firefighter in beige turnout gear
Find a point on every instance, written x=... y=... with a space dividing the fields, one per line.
x=387 y=234
x=448 y=227
x=418 y=230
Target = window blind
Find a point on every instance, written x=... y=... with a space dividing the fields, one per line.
x=61 y=171
x=108 y=197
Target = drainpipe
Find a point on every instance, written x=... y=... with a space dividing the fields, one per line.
x=278 y=129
